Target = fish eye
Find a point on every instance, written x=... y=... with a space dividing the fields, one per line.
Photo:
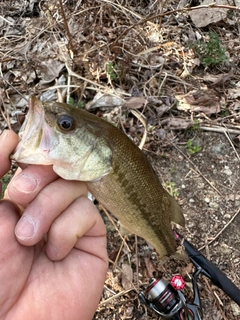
x=66 y=122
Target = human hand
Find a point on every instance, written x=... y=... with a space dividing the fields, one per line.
x=53 y=259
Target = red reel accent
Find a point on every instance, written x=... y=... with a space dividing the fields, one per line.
x=177 y=283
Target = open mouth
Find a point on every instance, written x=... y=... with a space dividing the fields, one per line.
x=35 y=136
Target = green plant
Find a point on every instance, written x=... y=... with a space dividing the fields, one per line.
x=195 y=125
x=210 y=52
x=111 y=70
x=4 y=181
x=171 y=188
x=72 y=102
x=80 y=104
x=193 y=147
x=224 y=113
x=172 y=170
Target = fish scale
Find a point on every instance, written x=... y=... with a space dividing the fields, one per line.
x=137 y=198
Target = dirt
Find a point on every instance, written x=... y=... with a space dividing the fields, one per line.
x=192 y=115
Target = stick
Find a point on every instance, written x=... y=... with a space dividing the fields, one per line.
x=221 y=231
x=220 y=129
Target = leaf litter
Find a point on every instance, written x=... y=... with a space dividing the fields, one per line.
x=115 y=57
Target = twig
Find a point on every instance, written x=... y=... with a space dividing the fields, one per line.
x=6 y=118
x=211 y=5
x=9 y=22
x=141 y=118
x=13 y=87
x=162 y=83
x=221 y=231
x=136 y=251
x=113 y=223
x=114 y=297
x=230 y=141
x=122 y=8
x=217 y=299
x=99 y=86
x=72 y=73
x=118 y=255
x=199 y=172
x=225 y=131
x=220 y=129
x=112 y=292
x=70 y=38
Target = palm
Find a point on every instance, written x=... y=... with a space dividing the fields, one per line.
x=61 y=275
x=34 y=287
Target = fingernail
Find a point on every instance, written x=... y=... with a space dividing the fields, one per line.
x=26 y=228
x=3 y=136
x=25 y=183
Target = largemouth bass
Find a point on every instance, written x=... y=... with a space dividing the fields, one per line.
x=81 y=146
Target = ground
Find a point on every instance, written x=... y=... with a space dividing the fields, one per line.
x=187 y=98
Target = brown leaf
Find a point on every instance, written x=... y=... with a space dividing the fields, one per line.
x=127 y=276
x=150 y=267
x=176 y=123
x=186 y=270
x=205 y=16
x=199 y=101
x=208 y=110
x=135 y=102
x=105 y=100
x=218 y=79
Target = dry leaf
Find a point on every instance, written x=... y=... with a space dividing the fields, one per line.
x=127 y=276
x=176 y=123
x=150 y=267
x=234 y=93
x=50 y=70
x=235 y=309
x=218 y=79
x=205 y=16
x=186 y=270
x=103 y=100
x=199 y=101
x=135 y=102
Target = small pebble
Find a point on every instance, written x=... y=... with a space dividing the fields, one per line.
x=227 y=171
x=235 y=309
x=225 y=249
x=214 y=205
x=227 y=216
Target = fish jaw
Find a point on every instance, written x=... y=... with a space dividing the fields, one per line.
x=76 y=155
x=36 y=137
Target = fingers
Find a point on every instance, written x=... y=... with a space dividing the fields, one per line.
x=15 y=260
x=43 y=210
x=27 y=183
x=80 y=220
x=8 y=142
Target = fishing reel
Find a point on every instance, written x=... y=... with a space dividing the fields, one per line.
x=167 y=299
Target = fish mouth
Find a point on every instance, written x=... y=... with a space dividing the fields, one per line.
x=35 y=136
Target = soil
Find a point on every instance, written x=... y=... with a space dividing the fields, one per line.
x=192 y=120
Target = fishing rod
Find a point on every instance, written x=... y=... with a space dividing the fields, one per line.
x=167 y=299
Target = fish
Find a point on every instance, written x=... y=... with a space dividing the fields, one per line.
x=82 y=146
